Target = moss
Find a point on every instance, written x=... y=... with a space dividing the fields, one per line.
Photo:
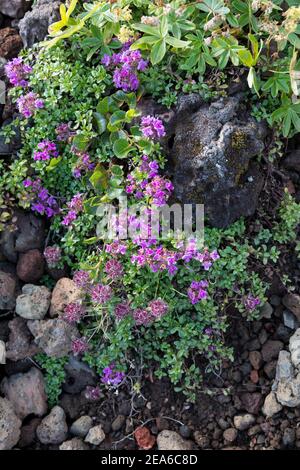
x=239 y=140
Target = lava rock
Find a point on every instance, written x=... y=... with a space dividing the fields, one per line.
x=171 y=440
x=14 y=8
x=288 y=437
x=292 y=302
x=118 y=423
x=211 y=156
x=289 y=320
x=271 y=406
x=81 y=426
x=78 y=376
x=270 y=350
x=53 y=428
x=243 y=422
x=64 y=292
x=252 y=402
x=10 y=43
x=20 y=344
x=35 y=24
x=28 y=433
x=30 y=267
x=73 y=444
x=26 y=392
x=8 y=291
x=34 y=302
x=294 y=346
x=230 y=434
x=255 y=359
x=31 y=232
x=10 y=425
x=95 y=435
x=54 y=337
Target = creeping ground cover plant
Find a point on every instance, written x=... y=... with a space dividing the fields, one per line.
x=148 y=305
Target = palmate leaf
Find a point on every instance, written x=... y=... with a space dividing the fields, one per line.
x=215 y=7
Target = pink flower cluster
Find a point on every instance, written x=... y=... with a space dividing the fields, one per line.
x=47 y=150
x=82 y=279
x=152 y=127
x=158 y=258
x=17 y=72
x=155 y=310
x=28 y=104
x=101 y=294
x=251 y=302
x=79 y=346
x=83 y=165
x=197 y=291
x=126 y=64
x=116 y=248
x=205 y=257
x=73 y=312
x=144 y=182
x=52 y=255
x=41 y=201
x=75 y=206
x=113 y=269
x=122 y=310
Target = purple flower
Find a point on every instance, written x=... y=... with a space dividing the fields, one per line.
x=17 y=72
x=83 y=165
x=122 y=310
x=251 y=302
x=197 y=291
x=52 y=255
x=113 y=269
x=158 y=308
x=47 y=150
x=73 y=312
x=142 y=316
x=112 y=377
x=116 y=248
x=92 y=393
x=69 y=218
x=79 y=346
x=82 y=279
x=40 y=199
x=101 y=294
x=126 y=79
x=28 y=104
x=152 y=127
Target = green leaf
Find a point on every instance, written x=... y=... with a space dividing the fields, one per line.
x=81 y=142
x=121 y=148
x=158 y=51
x=177 y=42
x=101 y=122
x=99 y=179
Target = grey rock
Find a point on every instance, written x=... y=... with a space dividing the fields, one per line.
x=78 y=376
x=20 y=343
x=54 y=337
x=34 y=26
x=118 y=422
x=10 y=425
x=34 y=302
x=30 y=235
x=288 y=392
x=266 y=311
x=243 y=422
x=230 y=434
x=14 y=8
x=95 y=435
x=8 y=290
x=211 y=155
x=271 y=405
x=288 y=437
x=284 y=368
x=53 y=428
x=64 y=293
x=292 y=302
x=289 y=320
x=81 y=426
x=26 y=392
x=294 y=347
x=171 y=440
x=73 y=444
x=270 y=350
x=2 y=352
